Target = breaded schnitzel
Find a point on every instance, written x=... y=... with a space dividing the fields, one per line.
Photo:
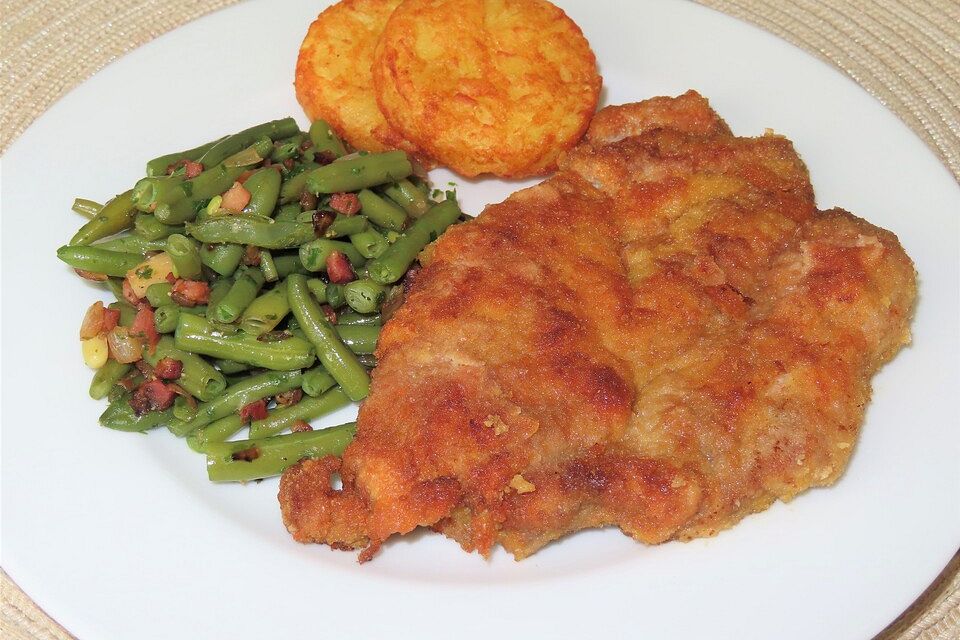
x=666 y=336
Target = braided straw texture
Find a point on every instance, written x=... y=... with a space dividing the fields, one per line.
x=904 y=52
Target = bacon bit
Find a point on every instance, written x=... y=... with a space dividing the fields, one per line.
x=306 y=144
x=251 y=256
x=128 y=293
x=274 y=336
x=330 y=313
x=91 y=275
x=346 y=203
x=111 y=317
x=338 y=268
x=235 y=198
x=256 y=410
x=153 y=395
x=247 y=455
x=321 y=220
x=144 y=367
x=192 y=169
x=288 y=164
x=300 y=425
x=171 y=278
x=190 y=293
x=288 y=398
x=242 y=178
x=168 y=368
x=324 y=157
x=308 y=201
x=143 y=327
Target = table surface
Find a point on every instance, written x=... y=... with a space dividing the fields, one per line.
x=904 y=52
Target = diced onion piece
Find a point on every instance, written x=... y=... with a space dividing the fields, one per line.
x=151 y=271
x=124 y=348
x=95 y=351
x=92 y=321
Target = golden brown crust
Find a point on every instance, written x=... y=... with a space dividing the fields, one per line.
x=486 y=86
x=666 y=336
x=333 y=77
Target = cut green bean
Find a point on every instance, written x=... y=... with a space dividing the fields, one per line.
x=313 y=255
x=309 y=408
x=127 y=312
x=364 y=295
x=382 y=212
x=243 y=460
x=198 y=377
x=288 y=212
x=240 y=229
x=87 y=208
x=359 y=172
x=333 y=354
x=226 y=147
x=231 y=366
x=148 y=227
x=222 y=258
x=264 y=188
x=120 y=416
x=246 y=285
x=115 y=216
x=165 y=318
x=199 y=336
x=408 y=196
x=394 y=262
x=361 y=339
x=325 y=140
x=369 y=243
x=217 y=431
x=97 y=260
x=184 y=409
x=346 y=226
x=158 y=166
x=294 y=186
x=287 y=147
x=236 y=396
x=267 y=266
x=184 y=253
x=334 y=295
x=318 y=288
x=266 y=312
x=218 y=289
x=158 y=294
x=131 y=244
x=106 y=377
x=316 y=381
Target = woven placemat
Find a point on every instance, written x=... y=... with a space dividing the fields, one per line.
x=904 y=52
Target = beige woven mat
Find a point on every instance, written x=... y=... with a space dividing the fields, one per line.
x=904 y=52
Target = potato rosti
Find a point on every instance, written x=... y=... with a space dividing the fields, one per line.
x=486 y=86
x=333 y=79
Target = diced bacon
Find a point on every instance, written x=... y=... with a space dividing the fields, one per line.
x=338 y=268
x=300 y=425
x=190 y=293
x=288 y=398
x=251 y=256
x=235 y=198
x=256 y=410
x=111 y=317
x=330 y=313
x=153 y=395
x=308 y=201
x=168 y=369
x=321 y=220
x=128 y=293
x=143 y=327
x=171 y=278
x=247 y=455
x=192 y=169
x=346 y=203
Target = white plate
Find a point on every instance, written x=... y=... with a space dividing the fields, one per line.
x=121 y=536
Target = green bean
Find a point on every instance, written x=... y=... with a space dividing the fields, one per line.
x=264 y=188
x=288 y=212
x=333 y=354
x=97 y=260
x=359 y=338
x=382 y=212
x=244 y=460
x=287 y=148
x=222 y=258
x=127 y=312
x=293 y=187
x=158 y=166
x=325 y=140
x=185 y=256
x=132 y=244
x=267 y=266
x=217 y=431
x=198 y=335
x=247 y=230
x=114 y=217
x=334 y=295
x=287 y=264
x=314 y=254
x=316 y=381
x=275 y=130
x=158 y=294
x=107 y=376
x=246 y=285
x=266 y=312
x=231 y=366
x=184 y=409
x=318 y=288
x=309 y=408
x=360 y=172
x=121 y=417
x=148 y=227
x=165 y=318
x=218 y=289
x=391 y=266
x=236 y=396
x=116 y=287
x=87 y=208
x=364 y=295
x=211 y=182
x=346 y=226
x=180 y=211
x=198 y=377
x=405 y=194
x=369 y=243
